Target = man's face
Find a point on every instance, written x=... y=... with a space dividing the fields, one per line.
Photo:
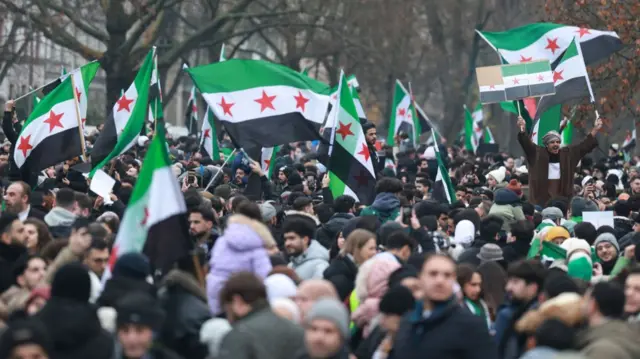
x=33 y=274
x=294 y=244
x=461 y=195
x=16 y=234
x=443 y=221
x=632 y=294
x=509 y=163
x=371 y=136
x=473 y=287
x=437 y=277
x=96 y=260
x=424 y=164
x=421 y=188
x=28 y=351
x=635 y=185
x=553 y=146
x=491 y=182
x=135 y=339
x=132 y=171
x=81 y=234
x=240 y=175
x=282 y=177
x=519 y=290
x=322 y=339
x=4 y=158
x=198 y=226
x=606 y=251
x=636 y=227
x=16 y=199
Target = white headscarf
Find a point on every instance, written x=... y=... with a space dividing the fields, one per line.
x=465 y=233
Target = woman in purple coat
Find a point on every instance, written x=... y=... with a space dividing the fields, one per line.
x=242 y=247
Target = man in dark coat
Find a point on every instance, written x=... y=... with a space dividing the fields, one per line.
x=343 y=208
x=439 y=327
x=552 y=168
x=12 y=247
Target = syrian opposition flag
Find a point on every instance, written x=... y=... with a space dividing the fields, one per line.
x=550 y=121
x=548 y=41
x=127 y=119
x=567 y=134
x=350 y=168
x=443 y=190
x=629 y=141
x=570 y=78
x=155 y=96
x=268 y=160
x=191 y=117
x=154 y=221
x=406 y=116
x=52 y=132
x=209 y=137
x=488 y=136
x=471 y=140
x=262 y=104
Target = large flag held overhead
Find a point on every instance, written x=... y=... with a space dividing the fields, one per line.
x=191 y=117
x=550 y=121
x=52 y=132
x=405 y=116
x=350 y=167
x=570 y=78
x=124 y=124
x=443 y=190
x=155 y=219
x=209 y=137
x=262 y=104
x=548 y=41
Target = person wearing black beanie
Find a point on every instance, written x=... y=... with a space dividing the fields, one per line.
x=25 y=338
x=71 y=320
x=130 y=273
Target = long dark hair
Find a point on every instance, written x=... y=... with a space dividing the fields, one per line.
x=494 y=280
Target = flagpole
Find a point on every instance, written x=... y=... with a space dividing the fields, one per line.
x=47 y=84
x=226 y=160
x=414 y=114
x=77 y=106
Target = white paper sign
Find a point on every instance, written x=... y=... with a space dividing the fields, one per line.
x=102 y=184
x=598 y=219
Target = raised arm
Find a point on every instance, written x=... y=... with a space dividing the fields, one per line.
x=525 y=141
x=590 y=142
x=7 y=122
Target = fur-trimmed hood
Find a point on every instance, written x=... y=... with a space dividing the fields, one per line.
x=300 y=213
x=184 y=280
x=260 y=229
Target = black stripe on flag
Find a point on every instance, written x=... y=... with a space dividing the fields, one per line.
x=167 y=242
x=353 y=174
x=517 y=92
x=568 y=90
x=54 y=149
x=493 y=96
x=106 y=141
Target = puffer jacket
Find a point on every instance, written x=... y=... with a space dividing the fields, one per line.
x=242 y=247
x=312 y=263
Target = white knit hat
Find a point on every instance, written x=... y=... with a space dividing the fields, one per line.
x=498 y=174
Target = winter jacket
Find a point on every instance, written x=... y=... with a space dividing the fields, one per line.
x=75 y=330
x=186 y=308
x=511 y=344
x=386 y=207
x=622 y=226
x=14 y=298
x=614 y=339
x=448 y=332
x=59 y=221
x=117 y=287
x=312 y=263
x=328 y=232
x=242 y=247
x=342 y=274
x=9 y=254
x=507 y=206
x=262 y=335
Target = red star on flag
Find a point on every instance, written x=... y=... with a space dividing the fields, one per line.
x=534 y=134
x=194 y=109
x=83 y=121
x=301 y=101
x=54 y=120
x=265 y=101
x=402 y=112
x=583 y=31
x=206 y=133
x=552 y=45
x=78 y=94
x=365 y=152
x=146 y=217
x=362 y=179
x=124 y=103
x=492 y=87
x=525 y=59
x=344 y=130
x=226 y=107
x=24 y=145
x=267 y=163
x=540 y=78
x=557 y=75
x=516 y=81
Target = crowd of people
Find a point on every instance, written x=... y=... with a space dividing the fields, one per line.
x=508 y=270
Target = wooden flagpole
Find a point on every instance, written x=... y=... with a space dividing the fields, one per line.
x=79 y=119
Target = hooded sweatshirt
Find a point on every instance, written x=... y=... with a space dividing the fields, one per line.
x=312 y=263
x=386 y=207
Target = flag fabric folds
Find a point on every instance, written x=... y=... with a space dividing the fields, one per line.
x=51 y=133
x=443 y=190
x=154 y=221
x=191 y=117
x=406 y=116
x=209 y=137
x=350 y=168
x=262 y=104
x=127 y=118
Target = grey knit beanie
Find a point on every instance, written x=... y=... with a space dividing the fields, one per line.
x=332 y=310
x=607 y=237
x=550 y=136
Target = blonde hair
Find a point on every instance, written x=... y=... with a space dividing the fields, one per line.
x=356 y=240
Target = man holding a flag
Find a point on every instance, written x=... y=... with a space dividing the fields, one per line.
x=551 y=167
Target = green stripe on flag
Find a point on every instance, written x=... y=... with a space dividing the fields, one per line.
x=520 y=37
x=157 y=157
x=514 y=70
